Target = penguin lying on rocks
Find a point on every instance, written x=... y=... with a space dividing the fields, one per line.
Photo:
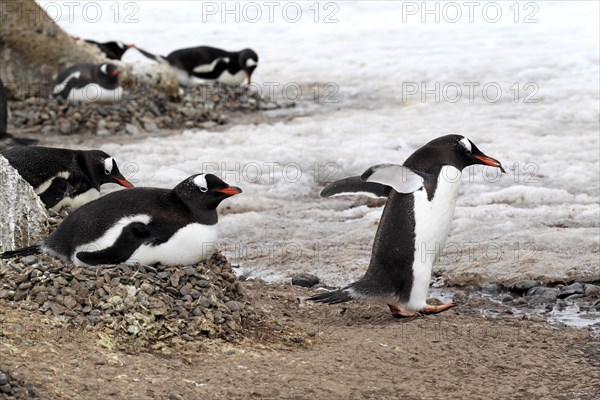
x=64 y=177
x=143 y=225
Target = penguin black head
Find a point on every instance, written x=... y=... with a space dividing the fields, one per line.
x=109 y=72
x=248 y=60
x=205 y=191
x=454 y=150
x=103 y=169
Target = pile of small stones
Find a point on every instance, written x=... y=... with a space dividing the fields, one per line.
x=11 y=387
x=142 y=109
x=142 y=304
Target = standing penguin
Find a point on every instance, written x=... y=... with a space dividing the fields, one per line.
x=203 y=64
x=144 y=225
x=6 y=139
x=63 y=177
x=414 y=225
x=88 y=83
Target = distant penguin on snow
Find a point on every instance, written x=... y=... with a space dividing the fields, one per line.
x=89 y=83
x=63 y=177
x=113 y=50
x=415 y=223
x=144 y=225
x=203 y=64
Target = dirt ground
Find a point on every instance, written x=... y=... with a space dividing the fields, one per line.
x=351 y=351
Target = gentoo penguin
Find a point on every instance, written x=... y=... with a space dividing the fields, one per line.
x=6 y=139
x=89 y=83
x=414 y=225
x=144 y=225
x=113 y=50
x=204 y=64
x=63 y=177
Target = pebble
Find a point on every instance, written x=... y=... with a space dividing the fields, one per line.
x=524 y=285
x=460 y=297
x=305 y=280
x=592 y=290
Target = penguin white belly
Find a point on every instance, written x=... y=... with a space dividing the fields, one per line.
x=189 y=245
x=108 y=238
x=432 y=225
x=229 y=79
x=93 y=92
x=77 y=201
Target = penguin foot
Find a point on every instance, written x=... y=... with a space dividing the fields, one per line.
x=436 y=309
x=400 y=312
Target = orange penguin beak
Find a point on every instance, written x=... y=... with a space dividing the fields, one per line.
x=123 y=182
x=491 y=162
x=116 y=72
x=230 y=191
x=130 y=46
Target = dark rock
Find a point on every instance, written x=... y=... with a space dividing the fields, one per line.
x=5 y=389
x=491 y=288
x=460 y=297
x=305 y=280
x=592 y=290
x=3 y=379
x=537 y=300
x=523 y=286
x=575 y=296
x=507 y=298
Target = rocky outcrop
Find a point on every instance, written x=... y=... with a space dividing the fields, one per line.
x=23 y=218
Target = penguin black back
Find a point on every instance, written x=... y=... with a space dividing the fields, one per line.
x=113 y=50
x=56 y=174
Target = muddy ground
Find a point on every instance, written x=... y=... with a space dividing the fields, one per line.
x=351 y=351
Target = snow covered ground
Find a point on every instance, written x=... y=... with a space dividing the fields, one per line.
x=400 y=82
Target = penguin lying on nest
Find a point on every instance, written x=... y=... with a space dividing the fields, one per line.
x=415 y=223
x=143 y=225
x=198 y=65
x=64 y=177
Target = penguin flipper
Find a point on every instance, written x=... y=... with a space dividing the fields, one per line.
x=399 y=177
x=131 y=238
x=55 y=193
x=159 y=59
x=27 y=251
x=355 y=185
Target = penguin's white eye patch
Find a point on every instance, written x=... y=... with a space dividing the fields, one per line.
x=250 y=63
x=200 y=181
x=103 y=69
x=108 y=165
x=466 y=143
x=121 y=44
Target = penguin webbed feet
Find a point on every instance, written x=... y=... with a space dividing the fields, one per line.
x=401 y=312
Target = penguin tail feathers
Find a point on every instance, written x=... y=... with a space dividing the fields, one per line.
x=159 y=59
x=333 y=297
x=27 y=251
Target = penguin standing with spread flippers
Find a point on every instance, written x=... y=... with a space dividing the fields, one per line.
x=6 y=139
x=63 y=177
x=204 y=64
x=414 y=225
x=88 y=83
x=143 y=225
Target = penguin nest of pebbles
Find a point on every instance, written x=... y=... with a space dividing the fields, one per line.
x=143 y=108
x=137 y=305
